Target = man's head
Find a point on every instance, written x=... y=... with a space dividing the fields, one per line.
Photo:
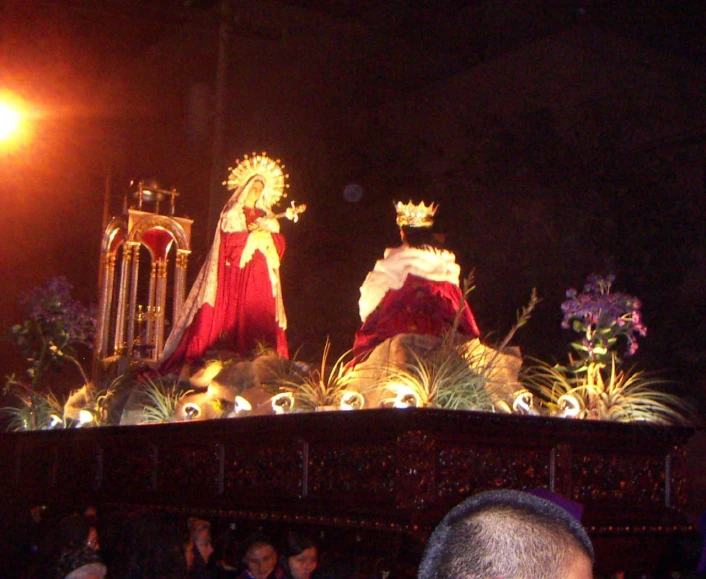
x=508 y=535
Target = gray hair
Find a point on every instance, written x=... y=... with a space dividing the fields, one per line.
x=88 y=571
x=505 y=533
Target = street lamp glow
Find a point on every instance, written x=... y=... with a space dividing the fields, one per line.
x=10 y=121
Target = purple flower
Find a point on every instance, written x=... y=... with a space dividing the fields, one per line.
x=601 y=317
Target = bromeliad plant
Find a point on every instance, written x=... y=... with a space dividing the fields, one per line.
x=320 y=389
x=443 y=378
x=35 y=411
x=593 y=385
x=162 y=401
x=612 y=394
x=452 y=376
x=56 y=329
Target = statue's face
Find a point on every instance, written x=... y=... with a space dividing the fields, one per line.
x=253 y=193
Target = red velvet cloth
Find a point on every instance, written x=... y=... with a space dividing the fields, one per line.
x=244 y=312
x=420 y=306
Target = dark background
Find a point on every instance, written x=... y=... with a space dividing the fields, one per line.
x=561 y=138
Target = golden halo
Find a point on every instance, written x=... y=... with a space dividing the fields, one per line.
x=270 y=170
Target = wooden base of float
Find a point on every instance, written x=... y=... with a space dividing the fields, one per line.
x=370 y=473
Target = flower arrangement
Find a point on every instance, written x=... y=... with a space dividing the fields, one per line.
x=594 y=386
x=602 y=319
x=50 y=339
x=55 y=328
x=452 y=375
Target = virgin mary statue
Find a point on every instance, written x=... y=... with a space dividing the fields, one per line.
x=236 y=302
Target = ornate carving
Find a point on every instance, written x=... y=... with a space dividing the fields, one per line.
x=146 y=221
x=108 y=260
x=265 y=471
x=560 y=469
x=37 y=465
x=676 y=461
x=352 y=471
x=464 y=470
x=129 y=468
x=185 y=467
x=113 y=234
x=182 y=258
x=416 y=466
x=127 y=252
x=85 y=459
x=625 y=478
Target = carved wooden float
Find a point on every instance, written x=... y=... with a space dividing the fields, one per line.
x=391 y=473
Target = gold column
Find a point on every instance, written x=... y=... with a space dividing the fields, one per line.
x=149 y=335
x=104 y=304
x=134 y=278
x=122 y=299
x=160 y=303
x=100 y=345
x=182 y=260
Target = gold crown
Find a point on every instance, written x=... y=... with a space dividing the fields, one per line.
x=411 y=215
x=270 y=170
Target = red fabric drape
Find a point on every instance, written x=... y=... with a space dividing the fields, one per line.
x=420 y=306
x=244 y=312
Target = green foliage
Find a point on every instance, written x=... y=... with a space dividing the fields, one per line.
x=162 y=401
x=441 y=379
x=452 y=376
x=35 y=411
x=603 y=320
x=596 y=394
x=99 y=401
x=56 y=326
x=321 y=388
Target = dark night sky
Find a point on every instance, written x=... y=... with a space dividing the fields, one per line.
x=129 y=86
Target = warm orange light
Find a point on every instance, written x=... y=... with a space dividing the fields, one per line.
x=14 y=128
x=10 y=121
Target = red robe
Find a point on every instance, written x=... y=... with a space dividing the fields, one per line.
x=420 y=306
x=244 y=312
x=411 y=291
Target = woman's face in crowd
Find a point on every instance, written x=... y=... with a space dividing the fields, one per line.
x=261 y=560
x=202 y=541
x=304 y=564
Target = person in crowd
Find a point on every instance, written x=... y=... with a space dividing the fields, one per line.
x=299 y=557
x=260 y=559
x=199 y=548
x=23 y=537
x=88 y=568
x=226 y=555
x=78 y=548
x=149 y=544
x=236 y=301
x=509 y=534
x=415 y=288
